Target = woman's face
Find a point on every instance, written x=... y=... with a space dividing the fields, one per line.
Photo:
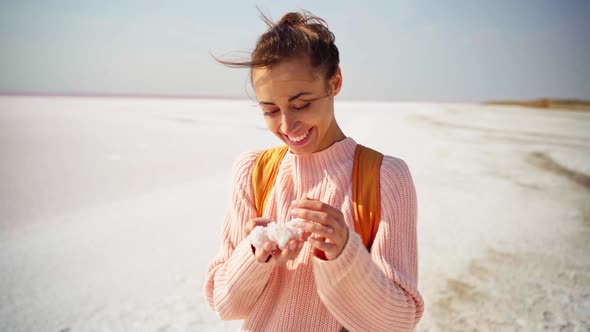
x=298 y=104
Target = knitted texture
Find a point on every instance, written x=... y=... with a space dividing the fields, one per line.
x=358 y=290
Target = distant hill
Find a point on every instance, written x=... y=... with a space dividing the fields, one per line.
x=569 y=104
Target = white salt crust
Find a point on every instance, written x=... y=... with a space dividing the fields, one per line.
x=280 y=234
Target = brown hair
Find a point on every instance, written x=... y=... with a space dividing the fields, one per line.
x=296 y=34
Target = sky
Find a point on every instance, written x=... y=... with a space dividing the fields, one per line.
x=418 y=50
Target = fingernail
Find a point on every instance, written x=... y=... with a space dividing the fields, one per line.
x=292 y=246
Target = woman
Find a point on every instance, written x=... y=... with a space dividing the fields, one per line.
x=328 y=281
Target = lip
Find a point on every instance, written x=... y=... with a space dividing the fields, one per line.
x=302 y=142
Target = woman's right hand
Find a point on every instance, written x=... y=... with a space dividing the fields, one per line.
x=270 y=250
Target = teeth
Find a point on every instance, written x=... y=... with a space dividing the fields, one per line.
x=299 y=138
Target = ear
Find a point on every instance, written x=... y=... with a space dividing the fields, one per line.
x=336 y=82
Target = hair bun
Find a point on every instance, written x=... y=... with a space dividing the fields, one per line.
x=292 y=19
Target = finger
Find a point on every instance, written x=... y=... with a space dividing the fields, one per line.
x=265 y=253
x=290 y=253
x=316 y=205
x=319 y=229
x=295 y=247
x=251 y=224
x=263 y=256
x=319 y=238
x=304 y=236
x=269 y=246
x=317 y=216
x=282 y=257
x=300 y=245
x=322 y=245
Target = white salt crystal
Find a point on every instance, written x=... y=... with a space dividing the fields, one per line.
x=280 y=234
x=258 y=237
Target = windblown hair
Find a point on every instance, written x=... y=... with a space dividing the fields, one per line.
x=297 y=34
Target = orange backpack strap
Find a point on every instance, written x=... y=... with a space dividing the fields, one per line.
x=264 y=175
x=366 y=194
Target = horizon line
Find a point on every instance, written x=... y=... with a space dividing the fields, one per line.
x=179 y=96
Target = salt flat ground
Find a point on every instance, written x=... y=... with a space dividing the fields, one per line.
x=110 y=209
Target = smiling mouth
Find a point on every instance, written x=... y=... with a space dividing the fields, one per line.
x=301 y=139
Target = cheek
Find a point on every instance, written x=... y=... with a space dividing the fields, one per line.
x=272 y=124
x=323 y=124
x=319 y=118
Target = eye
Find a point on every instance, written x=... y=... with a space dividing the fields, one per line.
x=301 y=107
x=270 y=112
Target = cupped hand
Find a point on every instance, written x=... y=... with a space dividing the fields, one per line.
x=270 y=250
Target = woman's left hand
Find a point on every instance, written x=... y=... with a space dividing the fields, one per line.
x=326 y=223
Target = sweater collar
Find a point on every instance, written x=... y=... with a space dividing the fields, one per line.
x=334 y=154
x=331 y=165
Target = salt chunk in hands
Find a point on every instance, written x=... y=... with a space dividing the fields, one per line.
x=280 y=234
x=258 y=237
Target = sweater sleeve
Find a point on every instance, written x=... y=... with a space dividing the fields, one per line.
x=377 y=291
x=235 y=279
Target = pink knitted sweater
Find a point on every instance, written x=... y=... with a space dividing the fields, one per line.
x=359 y=290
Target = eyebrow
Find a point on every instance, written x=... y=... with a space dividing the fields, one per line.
x=290 y=98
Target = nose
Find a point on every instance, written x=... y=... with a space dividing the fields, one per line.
x=289 y=122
